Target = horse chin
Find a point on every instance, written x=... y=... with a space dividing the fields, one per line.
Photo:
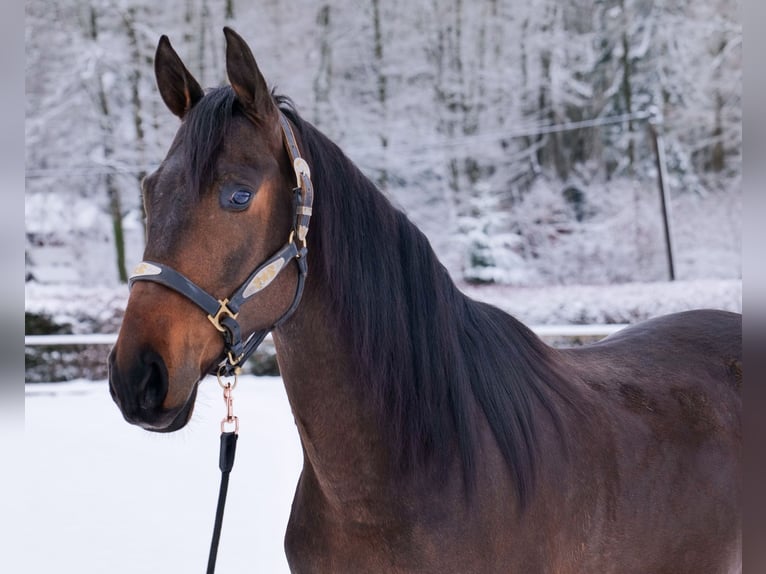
x=170 y=420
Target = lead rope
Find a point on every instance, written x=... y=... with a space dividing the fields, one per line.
x=225 y=463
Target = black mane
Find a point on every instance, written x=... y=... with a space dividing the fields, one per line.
x=426 y=352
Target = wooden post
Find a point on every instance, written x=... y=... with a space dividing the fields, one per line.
x=656 y=127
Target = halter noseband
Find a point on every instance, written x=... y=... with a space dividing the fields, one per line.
x=223 y=313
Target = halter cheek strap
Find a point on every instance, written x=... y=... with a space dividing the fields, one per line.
x=223 y=313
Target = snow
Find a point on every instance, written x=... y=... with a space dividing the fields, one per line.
x=105 y=496
x=98 y=309
x=624 y=303
x=86 y=309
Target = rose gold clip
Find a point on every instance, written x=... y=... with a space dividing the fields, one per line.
x=229 y=418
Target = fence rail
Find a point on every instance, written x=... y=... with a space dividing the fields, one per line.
x=596 y=330
x=64 y=340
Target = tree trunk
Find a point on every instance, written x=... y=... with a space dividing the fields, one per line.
x=129 y=20
x=718 y=154
x=381 y=85
x=112 y=190
x=627 y=87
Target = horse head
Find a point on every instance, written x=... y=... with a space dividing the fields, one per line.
x=220 y=204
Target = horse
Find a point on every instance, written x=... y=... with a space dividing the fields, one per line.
x=439 y=433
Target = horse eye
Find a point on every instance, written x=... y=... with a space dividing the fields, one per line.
x=236 y=197
x=241 y=197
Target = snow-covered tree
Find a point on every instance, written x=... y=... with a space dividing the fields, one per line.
x=453 y=107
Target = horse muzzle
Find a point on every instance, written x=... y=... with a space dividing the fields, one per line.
x=140 y=390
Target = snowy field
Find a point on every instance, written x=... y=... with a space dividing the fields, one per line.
x=104 y=496
x=89 y=309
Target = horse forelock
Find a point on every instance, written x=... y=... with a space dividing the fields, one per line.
x=203 y=133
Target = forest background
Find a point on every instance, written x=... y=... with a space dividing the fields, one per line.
x=456 y=109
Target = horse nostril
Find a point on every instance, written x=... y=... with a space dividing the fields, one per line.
x=155 y=385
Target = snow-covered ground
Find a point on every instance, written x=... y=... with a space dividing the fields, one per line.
x=103 y=496
x=88 y=309
x=615 y=303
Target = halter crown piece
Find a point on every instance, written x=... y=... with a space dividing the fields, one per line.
x=223 y=313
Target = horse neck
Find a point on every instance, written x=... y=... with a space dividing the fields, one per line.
x=360 y=358
x=335 y=420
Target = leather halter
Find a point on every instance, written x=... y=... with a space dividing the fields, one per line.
x=223 y=313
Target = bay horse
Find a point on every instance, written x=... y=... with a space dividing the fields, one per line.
x=439 y=433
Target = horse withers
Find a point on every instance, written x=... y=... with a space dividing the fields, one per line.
x=439 y=433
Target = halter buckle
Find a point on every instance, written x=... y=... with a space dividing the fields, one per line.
x=222 y=310
x=234 y=361
x=299 y=239
x=301 y=168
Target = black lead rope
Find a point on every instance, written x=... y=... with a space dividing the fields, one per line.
x=225 y=463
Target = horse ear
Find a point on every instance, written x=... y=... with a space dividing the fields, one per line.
x=245 y=77
x=178 y=88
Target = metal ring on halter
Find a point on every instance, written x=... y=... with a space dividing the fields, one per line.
x=219 y=375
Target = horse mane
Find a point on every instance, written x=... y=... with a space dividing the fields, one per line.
x=426 y=353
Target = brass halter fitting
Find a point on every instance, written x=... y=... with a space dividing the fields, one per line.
x=222 y=310
x=301 y=168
